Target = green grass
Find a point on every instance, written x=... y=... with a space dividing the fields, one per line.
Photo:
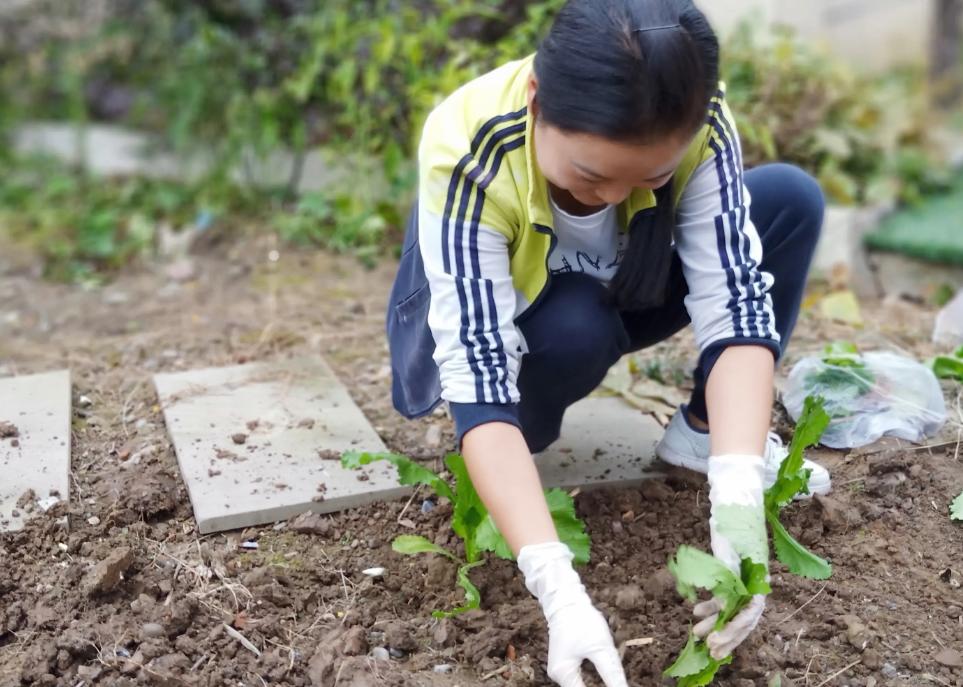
x=931 y=230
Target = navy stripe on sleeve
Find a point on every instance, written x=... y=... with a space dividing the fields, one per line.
x=486 y=355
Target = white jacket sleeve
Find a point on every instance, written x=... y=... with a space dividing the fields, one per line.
x=720 y=250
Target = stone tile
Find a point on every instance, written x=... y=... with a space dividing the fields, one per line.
x=605 y=442
x=38 y=458
x=297 y=419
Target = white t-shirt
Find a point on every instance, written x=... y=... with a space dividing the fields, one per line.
x=591 y=244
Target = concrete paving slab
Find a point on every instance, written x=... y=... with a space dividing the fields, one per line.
x=260 y=443
x=605 y=442
x=34 y=445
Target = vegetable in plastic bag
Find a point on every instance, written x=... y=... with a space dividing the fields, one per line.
x=867 y=396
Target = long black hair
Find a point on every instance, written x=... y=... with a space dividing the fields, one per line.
x=633 y=71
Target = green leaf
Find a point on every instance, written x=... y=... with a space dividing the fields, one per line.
x=956 y=508
x=946 y=367
x=705 y=676
x=694 y=569
x=472 y=595
x=795 y=556
x=409 y=472
x=488 y=538
x=469 y=511
x=754 y=577
x=792 y=479
x=411 y=544
x=693 y=659
x=570 y=529
x=842 y=354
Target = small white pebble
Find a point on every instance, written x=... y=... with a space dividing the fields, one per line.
x=274 y=256
x=84 y=402
x=62 y=546
x=379 y=653
x=93 y=520
x=374 y=572
x=444 y=668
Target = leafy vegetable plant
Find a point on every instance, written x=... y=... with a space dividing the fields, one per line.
x=471 y=521
x=956 y=509
x=694 y=569
x=844 y=377
x=949 y=366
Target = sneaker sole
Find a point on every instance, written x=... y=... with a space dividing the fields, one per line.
x=671 y=457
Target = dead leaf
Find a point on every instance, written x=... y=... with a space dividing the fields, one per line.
x=510 y=653
x=240 y=621
x=842 y=307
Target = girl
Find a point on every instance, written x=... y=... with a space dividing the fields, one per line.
x=577 y=205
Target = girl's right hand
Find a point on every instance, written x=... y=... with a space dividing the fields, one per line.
x=576 y=629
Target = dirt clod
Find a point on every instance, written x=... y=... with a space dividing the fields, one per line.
x=951 y=658
x=8 y=430
x=239 y=438
x=398 y=635
x=630 y=598
x=109 y=572
x=310 y=523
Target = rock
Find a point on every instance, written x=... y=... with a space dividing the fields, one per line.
x=354 y=642
x=109 y=572
x=857 y=633
x=443 y=668
x=239 y=438
x=656 y=490
x=838 y=516
x=889 y=670
x=152 y=630
x=93 y=521
x=379 y=653
x=398 y=635
x=396 y=653
x=8 y=430
x=310 y=523
x=951 y=658
x=630 y=598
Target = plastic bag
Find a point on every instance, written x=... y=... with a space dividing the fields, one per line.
x=868 y=396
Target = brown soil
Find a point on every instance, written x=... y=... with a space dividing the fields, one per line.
x=117 y=588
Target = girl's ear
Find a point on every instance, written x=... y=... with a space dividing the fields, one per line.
x=532 y=92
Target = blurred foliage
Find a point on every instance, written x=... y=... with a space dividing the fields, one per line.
x=243 y=78
x=865 y=138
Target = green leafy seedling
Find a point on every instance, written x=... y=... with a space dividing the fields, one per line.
x=956 y=509
x=471 y=520
x=694 y=570
x=793 y=479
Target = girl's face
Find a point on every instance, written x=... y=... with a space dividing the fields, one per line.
x=597 y=171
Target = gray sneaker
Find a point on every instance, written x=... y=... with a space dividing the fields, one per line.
x=686 y=447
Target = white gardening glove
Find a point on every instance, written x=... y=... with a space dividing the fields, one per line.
x=737 y=527
x=576 y=629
